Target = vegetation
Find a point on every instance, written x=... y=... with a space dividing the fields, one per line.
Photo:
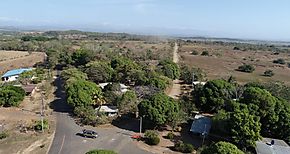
x=222 y=148
x=187 y=74
x=170 y=136
x=3 y=135
x=11 y=95
x=194 y=52
x=160 y=109
x=279 y=61
x=38 y=125
x=101 y=152
x=246 y=68
x=151 y=137
x=205 y=53
x=169 y=69
x=183 y=147
x=269 y=73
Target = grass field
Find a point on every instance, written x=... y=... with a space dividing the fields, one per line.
x=18 y=59
x=223 y=62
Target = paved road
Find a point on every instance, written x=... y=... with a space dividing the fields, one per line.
x=67 y=142
x=175 y=90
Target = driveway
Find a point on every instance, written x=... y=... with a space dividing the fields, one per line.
x=67 y=142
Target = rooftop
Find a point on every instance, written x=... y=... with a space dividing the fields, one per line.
x=16 y=72
x=278 y=147
x=201 y=124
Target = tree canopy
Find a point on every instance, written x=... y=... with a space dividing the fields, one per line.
x=11 y=95
x=169 y=68
x=159 y=109
x=222 y=148
x=99 y=71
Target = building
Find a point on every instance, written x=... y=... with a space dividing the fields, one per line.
x=272 y=146
x=13 y=75
x=123 y=87
x=201 y=125
x=110 y=111
x=29 y=89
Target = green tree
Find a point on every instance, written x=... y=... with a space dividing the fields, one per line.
x=73 y=73
x=222 y=148
x=128 y=102
x=187 y=73
x=101 y=152
x=244 y=128
x=83 y=93
x=214 y=95
x=159 y=109
x=246 y=68
x=169 y=68
x=81 y=57
x=279 y=61
x=11 y=95
x=205 y=53
x=99 y=71
x=269 y=73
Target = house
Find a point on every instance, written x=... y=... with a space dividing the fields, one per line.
x=13 y=75
x=272 y=146
x=201 y=125
x=110 y=111
x=123 y=87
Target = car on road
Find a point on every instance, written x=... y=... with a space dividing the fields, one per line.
x=89 y=133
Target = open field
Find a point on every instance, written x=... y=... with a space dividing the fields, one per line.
x=223 y=62
x=22 y=60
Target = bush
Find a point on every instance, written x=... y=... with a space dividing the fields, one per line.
x=205 y=53
x=3 y=135
x=279 y=61
x=151 y=137
x=38 y=126
x=194 y=52
x=101 y=152
x=246 y=68
x=269 y=73
x=170 y=136
x=183 y=147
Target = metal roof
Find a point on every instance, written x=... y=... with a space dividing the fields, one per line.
x=16 y=72
x=201 y=124
x=265 y=147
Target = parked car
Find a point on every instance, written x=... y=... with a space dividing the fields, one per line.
x=89 y=133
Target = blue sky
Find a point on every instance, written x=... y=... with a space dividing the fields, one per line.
x=252 y=19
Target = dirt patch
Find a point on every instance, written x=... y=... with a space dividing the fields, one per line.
x=19 y=61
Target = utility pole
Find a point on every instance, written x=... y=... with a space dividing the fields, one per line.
x=203 y=134
x=140 y=125
x=42 y=112
x=193 y=80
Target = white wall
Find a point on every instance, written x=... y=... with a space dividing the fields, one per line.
x=12 y=78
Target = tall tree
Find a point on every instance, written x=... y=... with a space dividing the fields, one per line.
x=169 y=68
x=99 y=71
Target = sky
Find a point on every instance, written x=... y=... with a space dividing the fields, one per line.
x=247 y=19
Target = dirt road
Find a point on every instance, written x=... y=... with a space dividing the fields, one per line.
x=175 y=90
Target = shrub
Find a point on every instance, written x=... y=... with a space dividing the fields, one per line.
x=170 y=136
x=246 y=68
x=183 y=147
x=236 y=48
x=279 y=61
x=194 y=52
x=101 y=152
x=269 y=73
x=38 y=126
x=3 y=135
x=151 y=137
x=205 y=53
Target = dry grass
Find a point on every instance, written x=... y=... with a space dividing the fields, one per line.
x=21 y=61
x=223 y=62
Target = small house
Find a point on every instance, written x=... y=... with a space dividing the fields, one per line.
x=272 y=146
x=201 y=125
x=13 y=75
x=110 y=111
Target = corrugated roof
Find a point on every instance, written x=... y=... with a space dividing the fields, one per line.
x=265 y=147
x=201 y=124
x=16 y=72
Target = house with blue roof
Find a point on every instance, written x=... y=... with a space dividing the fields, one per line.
x=13 y=75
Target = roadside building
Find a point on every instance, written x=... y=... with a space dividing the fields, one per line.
x=13 y=75
x=201 y=125
x=123 y=87
x=110 y=111
x=272 y=146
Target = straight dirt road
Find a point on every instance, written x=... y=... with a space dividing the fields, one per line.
x=175 y=90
